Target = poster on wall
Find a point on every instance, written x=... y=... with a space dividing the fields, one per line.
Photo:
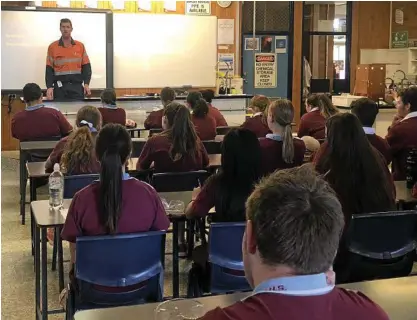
x=266 y=45
x=200 y=8
x=280 y=44
x=251 y=44
x=399 y=16
x=399 y=39
x=226 y=63
x=265 y=70
x=225 y=31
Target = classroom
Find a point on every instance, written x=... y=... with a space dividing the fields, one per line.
x=209 y=160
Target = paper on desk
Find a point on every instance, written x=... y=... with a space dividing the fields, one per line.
x=64 y=213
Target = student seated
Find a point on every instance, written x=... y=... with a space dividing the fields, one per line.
x=279 y=149
x=38 y=121
x=319 y=108
x=258 y=122
x=204 y=124
x=177 y=148
x=154 y=119
x=228 y=190
x=402 y=136
x=208 y=95
x=117 y=203
x=76 y=152
x=110 y=113
x=366 y=110
x=294 y=221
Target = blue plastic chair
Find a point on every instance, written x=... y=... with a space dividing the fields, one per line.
x=225 y=257
x=73 y=184
x=127 y=260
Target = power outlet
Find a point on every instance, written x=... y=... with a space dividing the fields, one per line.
x=12 y=96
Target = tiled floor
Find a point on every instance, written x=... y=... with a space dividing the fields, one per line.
x=17 y=274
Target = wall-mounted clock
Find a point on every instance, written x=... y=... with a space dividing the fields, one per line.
x=224 y=4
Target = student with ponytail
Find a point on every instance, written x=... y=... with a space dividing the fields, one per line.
x=279 y=149
x=208 y=95
x=109 y=110
x=177 y=148
x=258 y=122
x=205 y=125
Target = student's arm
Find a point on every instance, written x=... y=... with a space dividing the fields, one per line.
x=205 y=200
x=220 y=120
x=72 y=229
x=302 y=129
x=146 y=156
x=15 y=132
x=204 y=154
x=161 y=221
x=153 y=121
x=123 y=112
x=56 y=154
x=394 y=139
x=64 y=126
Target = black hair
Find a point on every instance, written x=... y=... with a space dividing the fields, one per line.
x=208 y=95
x=65 y=20
x=108 y=96
x=366 y=110
x=31 y=92
x=198 y=104
x=113 y=148
x=167 y=95
x=409 y=95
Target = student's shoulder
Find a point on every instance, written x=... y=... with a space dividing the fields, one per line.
x=136 y=186
x=298 y=142
x=266 y=142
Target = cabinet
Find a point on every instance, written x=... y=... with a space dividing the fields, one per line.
x=370 y=81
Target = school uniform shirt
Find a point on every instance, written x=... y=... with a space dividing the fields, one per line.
x=257 y=124
x=312 y=124
x=154 y=120
x=141 y=211
x=401 y=137
x=217 y=116
x=205 y=127
x=340 y=304
x=271 y=153
x=38 y=122
x=157 y=151
x=379 y=144
x=113 y=114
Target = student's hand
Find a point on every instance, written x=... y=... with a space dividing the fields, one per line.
x=50 y=93
x=196 y=192
x=87 y=90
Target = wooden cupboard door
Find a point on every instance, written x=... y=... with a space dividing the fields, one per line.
x=7 y=141
x=362 y=80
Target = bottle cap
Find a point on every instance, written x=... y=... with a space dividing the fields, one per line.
x=56 y=167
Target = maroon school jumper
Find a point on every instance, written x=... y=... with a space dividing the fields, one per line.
x=312 y=124
x=217 y=116
x=154 y=120
x=381 y=145
x=257 y=124
x=113 y=115
x=205 y=127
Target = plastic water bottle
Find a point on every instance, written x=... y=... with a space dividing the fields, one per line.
x=56 y=188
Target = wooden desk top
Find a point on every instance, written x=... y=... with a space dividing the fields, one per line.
x=403 y=194
x=37 y=145
x=396 y=296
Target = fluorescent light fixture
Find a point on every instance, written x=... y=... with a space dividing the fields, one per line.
x=91 y=4
x=63 y=3
x=170 y=5
x=145 y=5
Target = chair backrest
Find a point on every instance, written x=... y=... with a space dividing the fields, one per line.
x=179 y=181
x=225 y=256
x=123 y=260
x=73 y=184
x=384 y=235
x=221 y=131
x=154 y=131
x=137 y=146
x=213 y=147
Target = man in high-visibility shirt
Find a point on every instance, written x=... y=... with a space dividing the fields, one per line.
x=67 y=67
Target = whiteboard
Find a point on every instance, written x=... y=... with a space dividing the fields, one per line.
x=156 y=50
x=26 y=35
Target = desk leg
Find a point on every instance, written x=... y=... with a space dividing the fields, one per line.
x=175 y=268
x=60 y=259
x=23 y=180
x=190 y=237
x=37 y=272
x=44 y=267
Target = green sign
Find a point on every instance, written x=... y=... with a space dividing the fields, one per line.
x=399 y=39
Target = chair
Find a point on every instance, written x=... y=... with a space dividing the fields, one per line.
x=131 y=261
x=179 y=181
x=73 y=184
x=137 y=147
x=213 y=147
x=221 y=131
x=154 y=131
x=381 y=245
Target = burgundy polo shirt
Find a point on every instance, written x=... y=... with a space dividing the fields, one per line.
x=312 y=124
x=141 y=211
x=257 y=125
x=338 y=304
x=205 y=127
x=157 y=151
x=113 y=115
x=44 y=122
x=381 y=145
x=154 y=120
x=217 y=116
x=271 y=151
x=401 y=137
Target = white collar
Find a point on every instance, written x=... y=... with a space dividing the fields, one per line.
x=257 y=114
x=314 y=109
x=410 y=115
x=369 y=130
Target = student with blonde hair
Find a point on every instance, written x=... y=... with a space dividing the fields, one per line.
x=258 y=123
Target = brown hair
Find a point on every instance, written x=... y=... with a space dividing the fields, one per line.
x=297 y=220
x=167 y=96
x=197 y=104
x=65 y=20
x=181 y=132
x=108 y=96
x=325 y=105
x=282 y=112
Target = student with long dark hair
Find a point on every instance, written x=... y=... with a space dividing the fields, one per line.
x=228 y=190
x=154 y=119
x=258 y=123
x=205 y=125
x=279 y=149
x=208 y=95
x=177 y=148
x=110 y=113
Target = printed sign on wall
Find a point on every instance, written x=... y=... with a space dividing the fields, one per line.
x=265 y=70
x=201 y=8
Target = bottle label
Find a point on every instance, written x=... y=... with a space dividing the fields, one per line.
x=54 y=182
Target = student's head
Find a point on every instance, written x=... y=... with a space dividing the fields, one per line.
x=294 y=221
x=197 y=103
x=108 y=97
x=113 y=148
x=65 y=26
x=280 y=117
x=259 y=103
x=167 y=96
x=32 y=94
x=179 y=128
x=407 y=101
x=208 y=95
x=79 y=151
x=323 y=103
x=366 y=110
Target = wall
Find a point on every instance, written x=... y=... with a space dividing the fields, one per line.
x=410 y=18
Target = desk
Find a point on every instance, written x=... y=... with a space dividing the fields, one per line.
x=395 y=296
x=214 y=162
x=44 y=218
